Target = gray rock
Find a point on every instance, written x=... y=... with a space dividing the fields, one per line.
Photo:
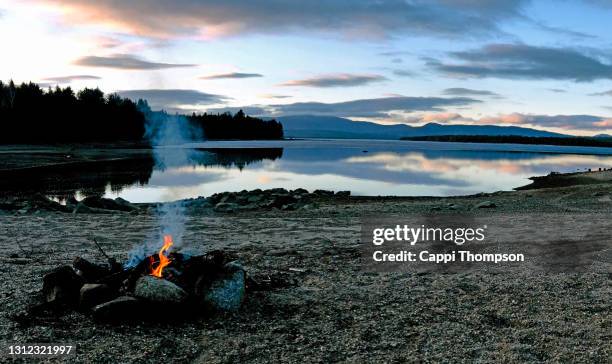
x=81 y=208
x=228 y=291
x=93 y=294
x=323 y=193
x=126 y=204
x=159 y=290
x=254 y=198
x=107 y=204
x=225 y=207
x=343 y=193
x=120 y=308
x=485 y=205
x=62 y=286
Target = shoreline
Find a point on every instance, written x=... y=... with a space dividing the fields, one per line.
x=332 y=310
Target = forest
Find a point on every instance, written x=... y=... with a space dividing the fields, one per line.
x=30 y=114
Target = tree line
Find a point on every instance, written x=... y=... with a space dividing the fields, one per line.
x=30 y=114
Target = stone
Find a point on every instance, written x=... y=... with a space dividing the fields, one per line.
x=281 y=200
x=343 y=193
x=62 y=286
x=226 y=292
x=225 y=207
x=81 y=208
x=121 y=308
x=486 y=205
x=254 y=198
x=159 y=290
x=323 y=193
x=93 y=294
x=40 y=202
x=106 y=204
x=126 y=204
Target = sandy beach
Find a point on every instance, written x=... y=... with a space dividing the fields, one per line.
x=329 y=310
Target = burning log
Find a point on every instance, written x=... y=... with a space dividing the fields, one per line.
x=90 y=272
x=184 y=283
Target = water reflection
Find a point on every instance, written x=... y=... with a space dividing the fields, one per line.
x=365 y=170
x=364 y=167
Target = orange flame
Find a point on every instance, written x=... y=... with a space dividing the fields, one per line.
x=163 y=260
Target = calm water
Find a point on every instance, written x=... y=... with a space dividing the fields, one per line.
x=364 y=167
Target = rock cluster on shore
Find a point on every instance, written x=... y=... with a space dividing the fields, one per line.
x=224 y=202
x=90 y=205
x=278 y=198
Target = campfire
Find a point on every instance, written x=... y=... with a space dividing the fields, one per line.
x=163 y=259
x=205 y=283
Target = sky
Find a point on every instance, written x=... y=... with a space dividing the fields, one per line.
x=543 y=64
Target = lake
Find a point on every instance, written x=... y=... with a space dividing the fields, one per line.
x=365 y=167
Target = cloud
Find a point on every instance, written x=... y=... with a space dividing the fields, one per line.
x=607 y=123
x=336 y=80
x=372 y=18
x=375 y=108
x=172 y=99
x=557 y=90
x=460 y=91
x=585 y=122
x=274 y=96
x=231 y=75
x=519 y=61
x=68 y=79
x=403 y=73
x=603 y=93
x=127 y=62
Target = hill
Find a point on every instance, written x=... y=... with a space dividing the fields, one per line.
x=310 y=126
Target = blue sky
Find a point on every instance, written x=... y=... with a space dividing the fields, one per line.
x=544 y=64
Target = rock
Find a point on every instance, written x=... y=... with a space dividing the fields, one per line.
x=277 y=191
x=71 y=202
x=120 y=308
x=40 y=202
x=9 y=206
x=81 y=208
x=107 y=204
x=62 y=286
x=126 y=204
x=343 y=193
x=225 y=207
x=300 y=191
x=159 y=290
x=323 y=193
x=226 y=292
x=93 y=294
x=281 y=200
x=485 y=205
x=254 y=198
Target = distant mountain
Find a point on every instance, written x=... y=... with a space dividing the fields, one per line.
x=606 y=136
x=309 y=126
